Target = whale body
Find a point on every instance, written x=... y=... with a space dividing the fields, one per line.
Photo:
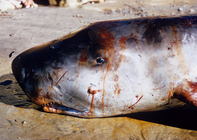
x=114 y=67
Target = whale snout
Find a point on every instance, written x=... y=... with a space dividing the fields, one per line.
x=43 y=76
x=24 y=74
x=29 y=71
x=17 y=69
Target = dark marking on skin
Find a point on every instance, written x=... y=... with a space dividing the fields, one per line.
x=122 y=42
x=132 y=106
x=152 y=33
x=107 y=48
x=83 y=57
x=117 y=57
x=114 y=58
x=132 y=38
x=107 y=39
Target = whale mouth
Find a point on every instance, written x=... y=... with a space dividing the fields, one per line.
x=61 y=109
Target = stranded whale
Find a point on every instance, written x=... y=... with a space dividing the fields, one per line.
x=114 y=67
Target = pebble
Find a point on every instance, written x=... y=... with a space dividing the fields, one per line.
x=77 y=16
x=107 y=11
x=24 y=122
x=191 y=11
x=180 y=9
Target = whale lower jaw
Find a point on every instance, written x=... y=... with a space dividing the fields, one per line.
x=61 y=109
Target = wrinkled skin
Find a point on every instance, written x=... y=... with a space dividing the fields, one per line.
x=114 y=67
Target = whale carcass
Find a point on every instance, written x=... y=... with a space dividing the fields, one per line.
x=114 y=67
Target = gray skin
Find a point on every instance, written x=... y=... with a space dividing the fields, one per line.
x=114 y=67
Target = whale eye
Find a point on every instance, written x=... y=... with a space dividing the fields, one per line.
x=100 y=60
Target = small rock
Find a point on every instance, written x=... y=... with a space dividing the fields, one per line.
x=191 y=11
x=126 y=11
x=78 y=16
x=180 y=9
x=173 y=14
x=23 y=123
x=107 y=11
x=11 y=35
x=118 y=11
x=10 y=55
